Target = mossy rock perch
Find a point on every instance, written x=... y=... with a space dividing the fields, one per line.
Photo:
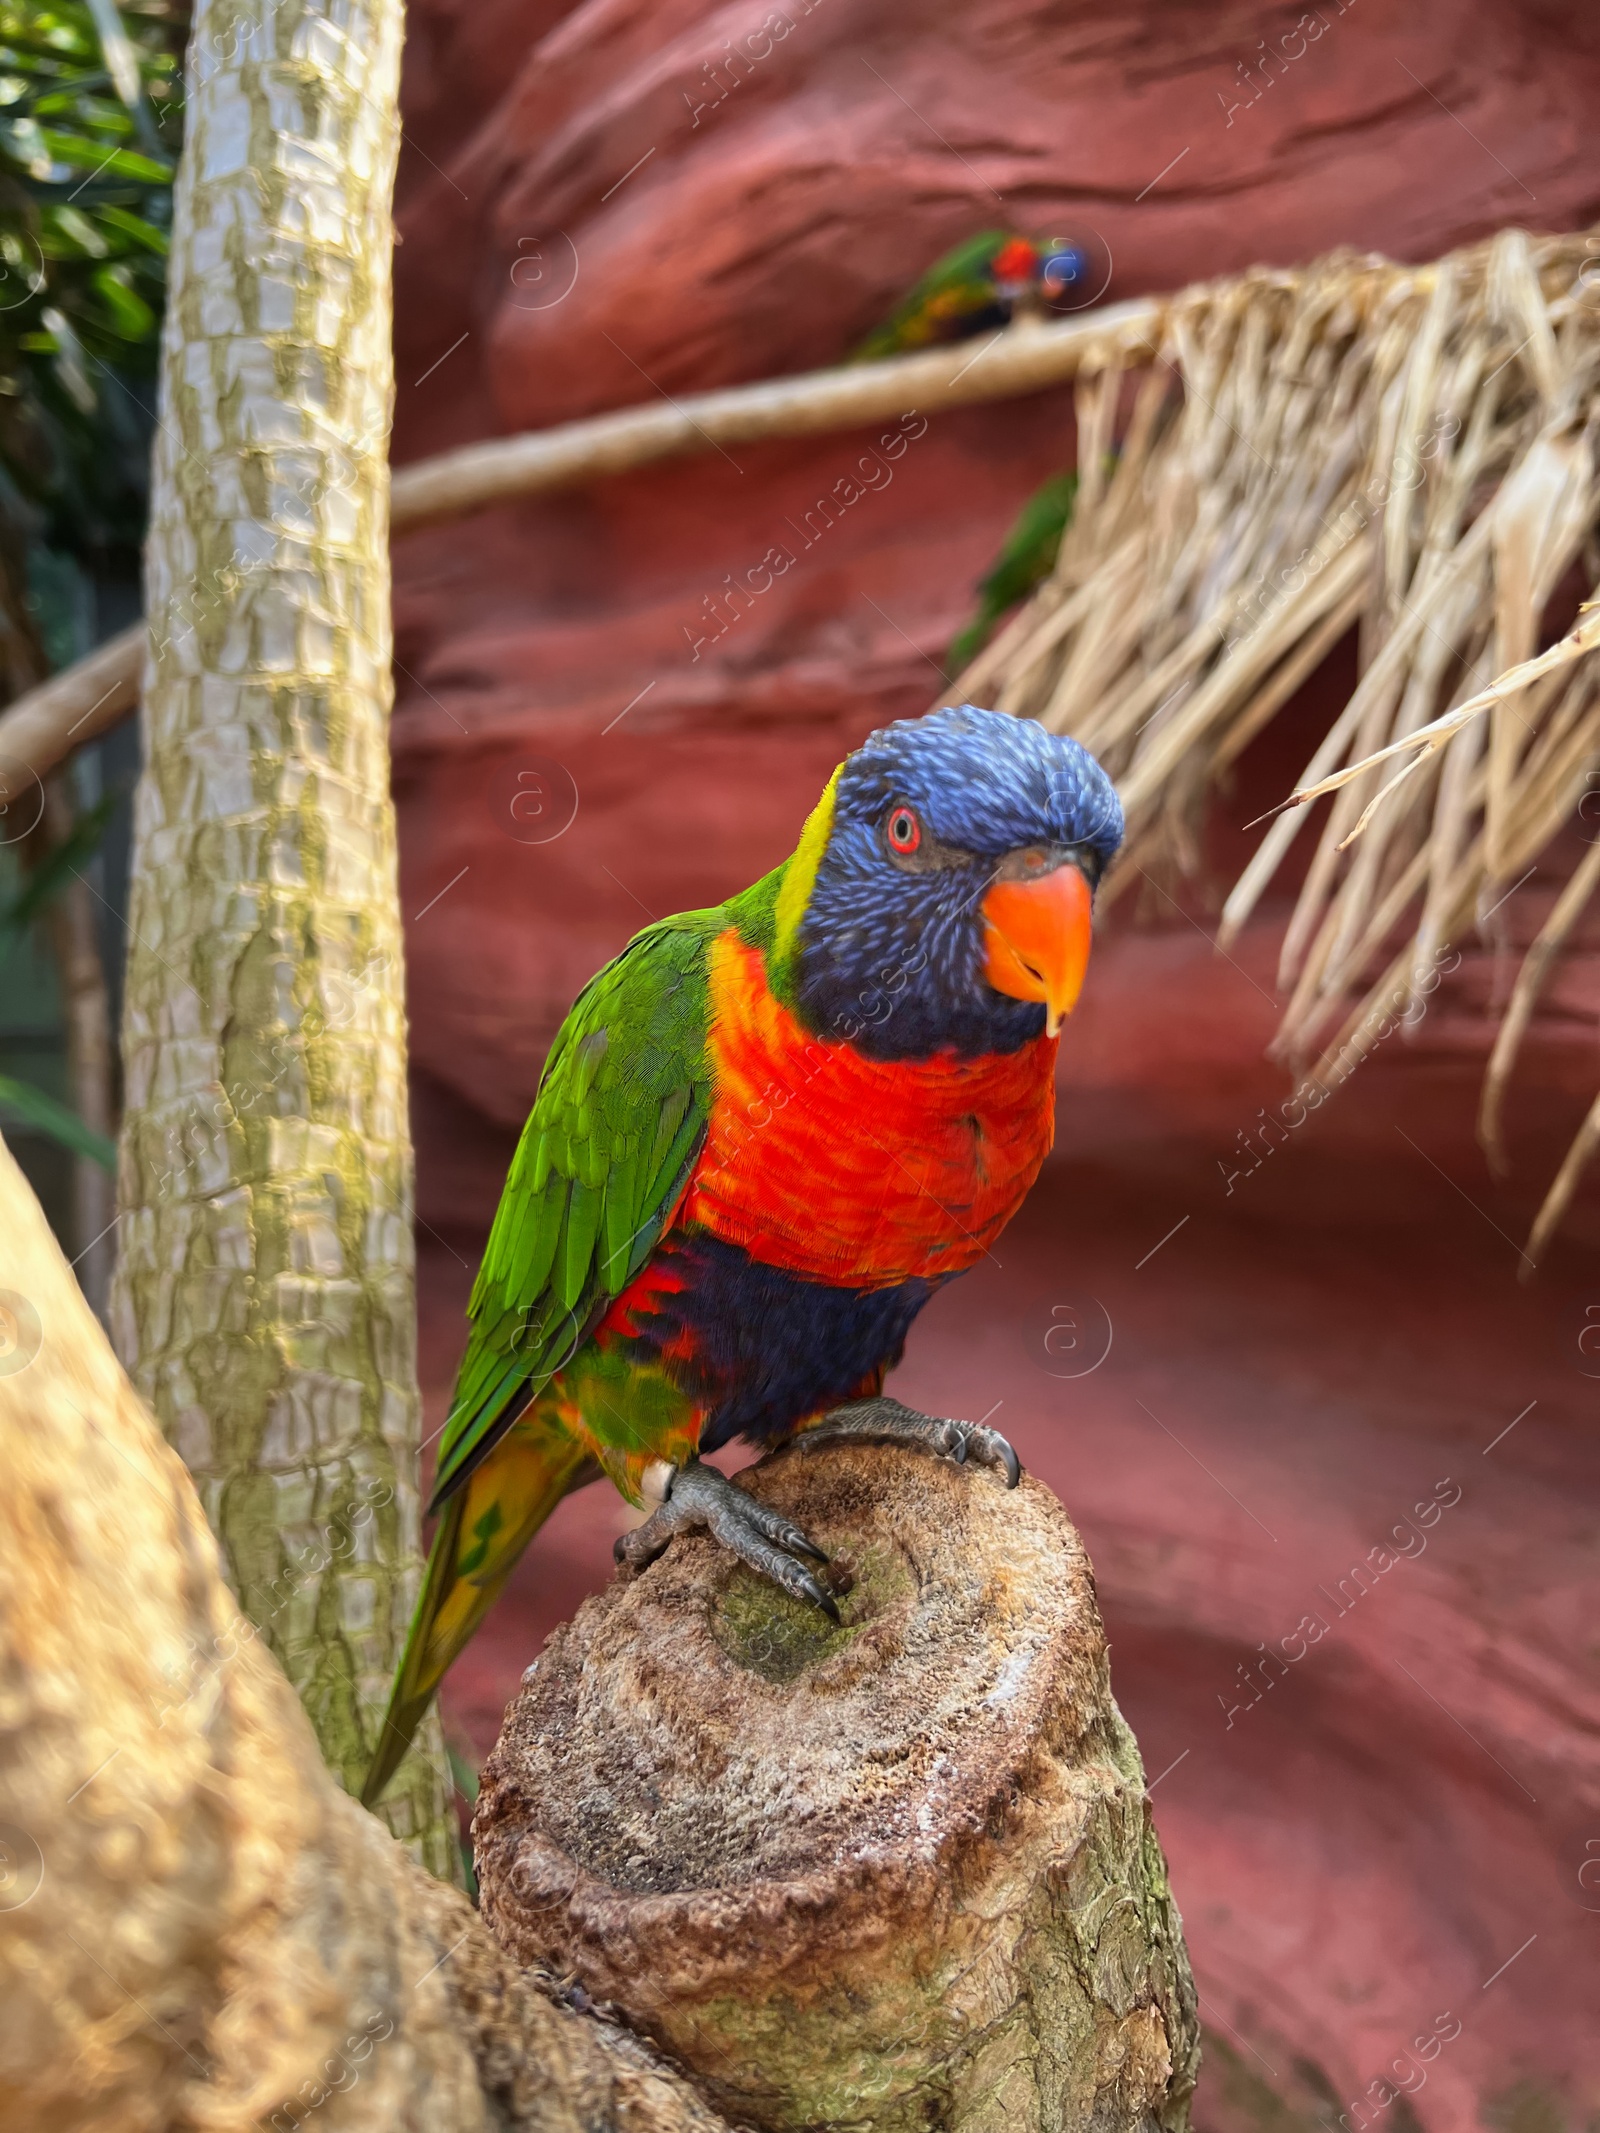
x=899 y=1874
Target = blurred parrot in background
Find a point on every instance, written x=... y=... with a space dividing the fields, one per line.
x=765 y=1136
x=1026 y=557
x=981 y=285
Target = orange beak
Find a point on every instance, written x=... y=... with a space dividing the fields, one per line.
x=1038 y=940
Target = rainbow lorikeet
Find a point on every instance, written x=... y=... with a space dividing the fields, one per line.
x=1027 y=556
x=766 y=1134
x=979 y=286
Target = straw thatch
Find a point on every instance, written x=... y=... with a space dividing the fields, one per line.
x=1407 y=451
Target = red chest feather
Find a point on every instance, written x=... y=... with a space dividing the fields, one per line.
x=856 y=1171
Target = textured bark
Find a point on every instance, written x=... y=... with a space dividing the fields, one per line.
x=265 y=1293
x=894 y=1875
x=197 y=1928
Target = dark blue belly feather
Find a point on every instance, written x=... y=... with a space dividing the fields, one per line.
x=767 y=1348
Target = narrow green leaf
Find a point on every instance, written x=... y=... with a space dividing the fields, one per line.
x=45 y=1115
x=131 y=316
x=136 y=228
x=74 y=851
x=80 y=154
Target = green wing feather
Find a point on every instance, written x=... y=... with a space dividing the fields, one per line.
x=959 y=282
x=618 y=1122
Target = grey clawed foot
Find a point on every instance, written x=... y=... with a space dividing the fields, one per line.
x=768 y=1542
x=884 y=1419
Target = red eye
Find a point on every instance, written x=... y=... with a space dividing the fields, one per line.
x=904 y=831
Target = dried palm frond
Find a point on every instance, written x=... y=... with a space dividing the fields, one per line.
x=1409 y=451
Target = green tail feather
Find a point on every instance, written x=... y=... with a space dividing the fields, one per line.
x=483 y=1529
x=601 y=1165
x=416 y=1681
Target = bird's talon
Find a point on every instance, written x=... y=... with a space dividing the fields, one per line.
x=883 y=1419
x=839 y=1580
x=806 y=1587
x=766 y=1541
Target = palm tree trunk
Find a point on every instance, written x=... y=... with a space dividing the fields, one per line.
x=265 y=1293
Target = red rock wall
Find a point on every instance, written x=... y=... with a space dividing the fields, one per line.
x=587 y=223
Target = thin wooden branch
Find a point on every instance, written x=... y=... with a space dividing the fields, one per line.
x=41 y=728
x=1023 y=360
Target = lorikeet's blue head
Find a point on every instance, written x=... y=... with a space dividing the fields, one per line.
x=947 y=881
x=1066 y=274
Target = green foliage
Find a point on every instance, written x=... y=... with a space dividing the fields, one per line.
x=1027 y=556
x=56 y=869
x=464 y=1777
x=33 y=1108
x=90 y=124
x=25 y=906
